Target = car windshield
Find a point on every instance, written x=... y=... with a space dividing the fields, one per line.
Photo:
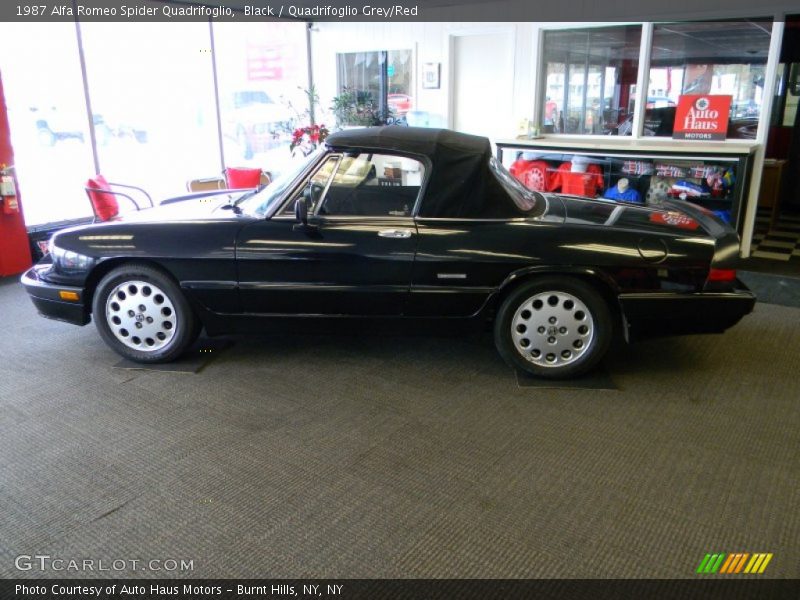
x=526 y=200
x=260 y=203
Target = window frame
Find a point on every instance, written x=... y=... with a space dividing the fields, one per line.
x=642 y=80
x=279 y=214
x=383 y=103
x=541 y=71
x=417 y=201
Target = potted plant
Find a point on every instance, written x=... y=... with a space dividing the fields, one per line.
x=306 y=133
x=306 y=139
x=356 y=108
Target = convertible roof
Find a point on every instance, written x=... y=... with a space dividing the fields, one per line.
x=459 y=185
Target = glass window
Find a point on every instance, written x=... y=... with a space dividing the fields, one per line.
x=262 y=77
x=152 y=103
x=315 y=186
x=726 y=58
x=590 y=75
x=373 y=87
x=375 y=185
x=48 y=120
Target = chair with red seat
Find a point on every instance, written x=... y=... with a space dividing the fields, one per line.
x=239 y=178
x=103 y=197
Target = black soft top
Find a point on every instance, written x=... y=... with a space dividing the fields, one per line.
x=460 y=183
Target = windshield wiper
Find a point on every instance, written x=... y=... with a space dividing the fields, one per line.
x=237 y=210
x=247 y=196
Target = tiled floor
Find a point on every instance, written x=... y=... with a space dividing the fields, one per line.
x=782 y=242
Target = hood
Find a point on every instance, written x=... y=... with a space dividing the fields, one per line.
x=193 y=207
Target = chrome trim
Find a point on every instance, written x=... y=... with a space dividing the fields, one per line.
x=472 y=220
x=258 y=285
x=209 y=285
x=400 y=234
x=451 y=276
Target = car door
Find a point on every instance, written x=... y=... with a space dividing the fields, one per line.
x=354 y=257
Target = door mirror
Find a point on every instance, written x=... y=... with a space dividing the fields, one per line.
x=301 y=210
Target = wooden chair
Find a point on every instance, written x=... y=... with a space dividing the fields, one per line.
x=206 y=184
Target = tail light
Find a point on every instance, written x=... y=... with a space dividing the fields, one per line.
x=721 y=275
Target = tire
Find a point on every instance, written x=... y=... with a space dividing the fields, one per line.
x=159 y=333
x=553 y=327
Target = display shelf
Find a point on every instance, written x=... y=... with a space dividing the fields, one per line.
x=712 y=175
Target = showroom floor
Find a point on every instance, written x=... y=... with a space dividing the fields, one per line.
x=331 y=456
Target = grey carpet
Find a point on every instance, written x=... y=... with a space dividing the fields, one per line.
x=597 y=379
x=773 y=288
x=382 y=456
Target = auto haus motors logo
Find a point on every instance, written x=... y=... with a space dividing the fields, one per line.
x=702 y=117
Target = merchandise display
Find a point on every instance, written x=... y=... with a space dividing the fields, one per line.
x=623 y=192
x=711 y=181
x=578 y=178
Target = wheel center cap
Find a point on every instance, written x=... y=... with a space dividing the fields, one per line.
x=552 y=330
x=139 y=318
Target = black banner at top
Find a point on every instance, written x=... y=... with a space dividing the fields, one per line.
x=390 y=10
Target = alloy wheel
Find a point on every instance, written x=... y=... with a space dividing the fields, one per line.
x=141 y=315
x=552 y=329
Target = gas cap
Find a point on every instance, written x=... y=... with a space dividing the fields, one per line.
x=653 y=250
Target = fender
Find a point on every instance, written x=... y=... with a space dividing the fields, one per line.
x=609 y=286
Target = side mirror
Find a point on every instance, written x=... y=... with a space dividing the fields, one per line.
x=301 y=210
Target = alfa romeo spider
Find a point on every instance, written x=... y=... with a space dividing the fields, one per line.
x=405 y=225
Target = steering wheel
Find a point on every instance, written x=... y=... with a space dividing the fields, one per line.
x=312 y=193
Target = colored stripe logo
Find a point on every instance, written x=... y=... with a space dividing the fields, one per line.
x=738 y=562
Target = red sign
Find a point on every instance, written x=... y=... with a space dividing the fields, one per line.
x=702 y=117
x=675 y=219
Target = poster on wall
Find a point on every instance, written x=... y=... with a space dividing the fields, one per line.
x=702 y=117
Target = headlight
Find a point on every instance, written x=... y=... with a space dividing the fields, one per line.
x=67 y=260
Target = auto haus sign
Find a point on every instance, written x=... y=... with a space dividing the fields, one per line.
x=701 y=117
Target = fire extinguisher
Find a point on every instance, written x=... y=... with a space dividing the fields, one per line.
x=8 y=191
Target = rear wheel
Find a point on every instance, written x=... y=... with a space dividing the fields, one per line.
x=553 y=327
x=143 y=315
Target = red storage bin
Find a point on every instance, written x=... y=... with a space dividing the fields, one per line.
x=242 y=177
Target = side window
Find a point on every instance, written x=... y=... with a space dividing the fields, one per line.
x=314 y=187
x=373 y=185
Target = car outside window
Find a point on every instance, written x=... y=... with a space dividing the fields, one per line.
x=373 y=185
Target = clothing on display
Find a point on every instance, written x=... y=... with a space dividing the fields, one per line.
x=623 y=192
x=581 y=183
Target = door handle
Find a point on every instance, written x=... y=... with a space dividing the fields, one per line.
x=395 y=233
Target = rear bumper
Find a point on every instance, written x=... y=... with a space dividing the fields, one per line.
x=678 y=314
x=45 y=297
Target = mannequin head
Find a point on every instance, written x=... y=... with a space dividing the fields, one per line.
x=579 y=164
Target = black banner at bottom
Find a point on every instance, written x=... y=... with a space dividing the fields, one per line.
x=400 y=589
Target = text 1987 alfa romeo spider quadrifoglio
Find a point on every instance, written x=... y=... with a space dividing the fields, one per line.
x=406 y=224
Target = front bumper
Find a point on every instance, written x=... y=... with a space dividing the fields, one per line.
x=46 y=298
x=678 y=314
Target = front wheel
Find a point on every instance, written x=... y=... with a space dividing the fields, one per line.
x=553 y=327
x=142 y=314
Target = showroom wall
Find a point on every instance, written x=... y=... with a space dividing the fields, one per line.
x=434 y=43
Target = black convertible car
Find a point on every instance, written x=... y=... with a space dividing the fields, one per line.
x=401 y=224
